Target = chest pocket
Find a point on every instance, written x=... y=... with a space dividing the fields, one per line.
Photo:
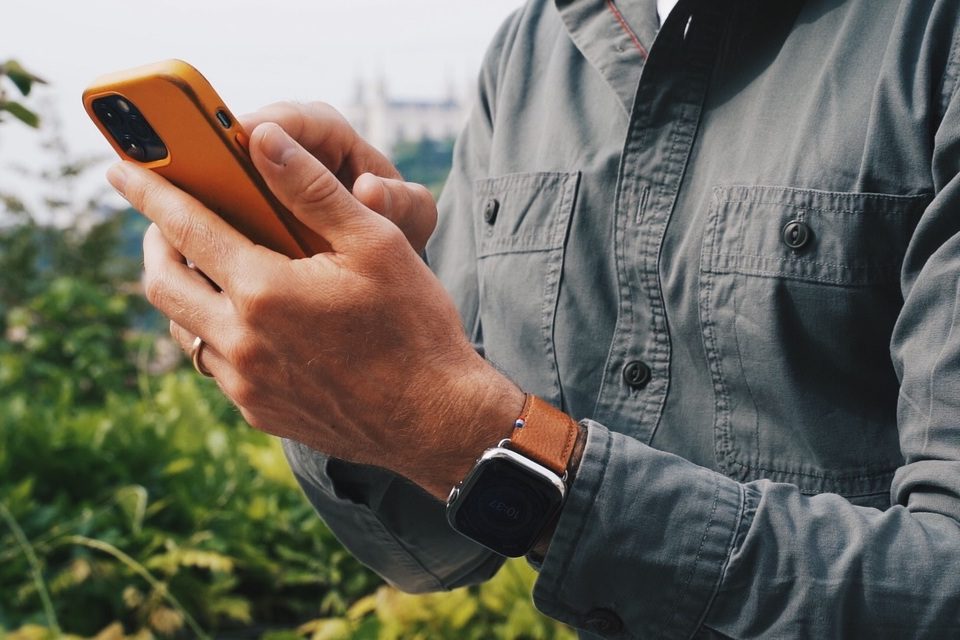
x=521 y=224
x=799 y=292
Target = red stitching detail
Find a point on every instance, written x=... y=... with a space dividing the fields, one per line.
x=623 y=23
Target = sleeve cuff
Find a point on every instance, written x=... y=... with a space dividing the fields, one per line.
x=642 y=543
x=389 y=524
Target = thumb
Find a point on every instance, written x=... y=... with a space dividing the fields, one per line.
x=307 y=188
x=408 y=205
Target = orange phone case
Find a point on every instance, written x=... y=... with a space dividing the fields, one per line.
x=204 y=158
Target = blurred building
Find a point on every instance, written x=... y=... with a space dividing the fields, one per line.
x=385 y=121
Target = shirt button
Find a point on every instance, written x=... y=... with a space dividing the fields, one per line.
x=490 y=210
x=796 y=234
x=636 y=374
x=603 y=621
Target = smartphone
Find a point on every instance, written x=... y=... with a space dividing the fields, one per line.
x=168 y=118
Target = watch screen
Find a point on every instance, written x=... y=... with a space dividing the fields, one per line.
x=506 y=507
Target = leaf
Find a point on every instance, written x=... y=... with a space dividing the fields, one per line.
x=166 y=621
x=175 y=558
x=362 y=607
x=21 y=113
x=330 y=629
x=113 y=631
x=31 y=632
x=233 y=608
x=179 y=465
x=23 y=79
x=133 y=501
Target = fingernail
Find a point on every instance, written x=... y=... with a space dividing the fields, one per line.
x=117 y=177
x=277 y=145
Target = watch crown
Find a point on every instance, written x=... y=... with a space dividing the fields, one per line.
x=453 y=494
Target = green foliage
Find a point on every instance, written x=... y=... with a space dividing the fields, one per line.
x=67 y=337
x=500 y=608
x=171 y=486
x=67 y=345
x=23 y=81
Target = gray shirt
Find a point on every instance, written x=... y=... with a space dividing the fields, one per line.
x=731 y=245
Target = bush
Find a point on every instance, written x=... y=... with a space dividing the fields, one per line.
x=162 y=512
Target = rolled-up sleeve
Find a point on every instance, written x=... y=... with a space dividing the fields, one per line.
x=651 y=545
x=643 y=542
x=389 y=524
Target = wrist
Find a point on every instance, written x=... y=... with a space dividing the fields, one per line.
x=477 y=413
x=514 y=491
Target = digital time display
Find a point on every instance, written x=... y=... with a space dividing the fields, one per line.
x=505 y=506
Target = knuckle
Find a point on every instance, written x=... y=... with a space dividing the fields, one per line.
x=322 y=110
x=318 y=189
x=243 y=393
x=289 y=115
x=147 y=195
x=155 y=290
x=284 y=105
x=386 y=242
x=421 y=194
x=184 y=229
x=136 y=193
x=255 y=301
x=391 y=237
x=180 y=224
x=254 y=420
x=244 y=355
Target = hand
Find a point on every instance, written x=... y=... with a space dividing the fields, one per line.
x=375 y=182
x=358 y=353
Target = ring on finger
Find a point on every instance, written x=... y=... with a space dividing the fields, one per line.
x=196 y=353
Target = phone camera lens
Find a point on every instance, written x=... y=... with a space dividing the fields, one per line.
x=133 y=148
x=107 y=115
x=138 y=127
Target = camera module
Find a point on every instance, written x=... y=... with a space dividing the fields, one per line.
x=129 y=128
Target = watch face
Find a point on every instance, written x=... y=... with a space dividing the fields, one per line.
x=505 y=503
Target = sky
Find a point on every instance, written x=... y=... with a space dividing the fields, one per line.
x=254 y=52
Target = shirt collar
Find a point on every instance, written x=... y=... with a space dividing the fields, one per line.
x=614 y=36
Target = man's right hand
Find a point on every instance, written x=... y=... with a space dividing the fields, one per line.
x=360 y=167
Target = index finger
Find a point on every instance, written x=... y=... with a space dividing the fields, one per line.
x=221 y=252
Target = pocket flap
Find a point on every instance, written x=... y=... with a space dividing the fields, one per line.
x=523 y=212
x=853 y=239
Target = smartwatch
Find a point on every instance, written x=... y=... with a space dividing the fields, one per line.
x=516 y=488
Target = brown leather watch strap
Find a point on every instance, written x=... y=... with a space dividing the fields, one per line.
x=545 y=434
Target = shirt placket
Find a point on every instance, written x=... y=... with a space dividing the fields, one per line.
x=660 y=138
